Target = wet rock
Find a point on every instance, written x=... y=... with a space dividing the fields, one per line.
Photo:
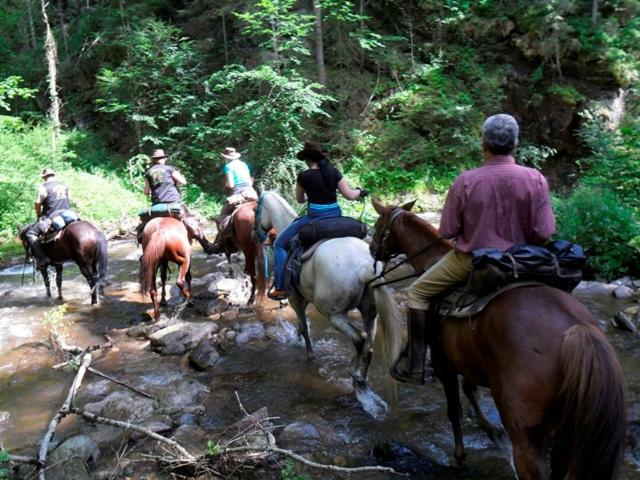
x=282 y=332
x=595 y=288
x=404 y=459
x=188 y=419
x=230 y=335
x=209 y=304
x=205 y=354
x=123 y=405
x=624 y=322
x=186 y=394
x=250 y=331
x=192 y=437
x=177 y=339
x=69 y=460
x=624 y=281
x=157 y=424
x=252 y=435
x=300 y=437
x=622 y=292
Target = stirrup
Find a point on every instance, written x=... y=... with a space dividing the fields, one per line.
x=278 y=297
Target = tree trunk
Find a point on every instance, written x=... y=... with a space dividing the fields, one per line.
x=594 y=13
x=32 y=28
x=51 y=52
x=63 y=26
x=412 y=46
x=224 y=40
x=322 y=72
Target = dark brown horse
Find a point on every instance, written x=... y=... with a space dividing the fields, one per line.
x=164 y=240
x=553 y=375
x=243 y=220
x=86 y=246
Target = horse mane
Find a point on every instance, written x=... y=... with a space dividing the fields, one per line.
x=283 y=203
x=414 y=220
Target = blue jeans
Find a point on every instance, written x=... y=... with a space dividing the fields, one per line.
x=281 y=245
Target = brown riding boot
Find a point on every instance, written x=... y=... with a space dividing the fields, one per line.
x=409 y=367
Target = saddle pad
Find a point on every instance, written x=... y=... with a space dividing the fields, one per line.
x=308 y=253
x=461 y=304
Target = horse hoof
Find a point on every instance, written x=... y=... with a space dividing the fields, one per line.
x=460 y=457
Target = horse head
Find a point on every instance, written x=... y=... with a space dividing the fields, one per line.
x=22 y=235
x=384 y=245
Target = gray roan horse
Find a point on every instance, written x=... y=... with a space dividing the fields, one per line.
x=335 y=280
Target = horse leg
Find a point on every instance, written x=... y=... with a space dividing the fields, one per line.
x=340 y=322
x=368 y=311
x=449 y=379
x=45 y=276
x=495 y=433
x=299 y=306
x=182 y=276
x=528 y=458
x=88 y=275
x=163 y=281
x=59 y=281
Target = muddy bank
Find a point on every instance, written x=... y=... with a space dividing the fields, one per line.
x=195 y=361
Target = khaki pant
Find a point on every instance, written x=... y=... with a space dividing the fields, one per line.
x=454 y=267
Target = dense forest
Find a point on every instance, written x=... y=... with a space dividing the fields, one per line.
x=396 y=90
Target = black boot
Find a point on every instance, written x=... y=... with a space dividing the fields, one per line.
x=409 y=367
x=38 y=254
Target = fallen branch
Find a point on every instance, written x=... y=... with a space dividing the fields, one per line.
x=91 y=417
x=119 y=382
x=22 y=459
x=322 y=466
x=62 y=412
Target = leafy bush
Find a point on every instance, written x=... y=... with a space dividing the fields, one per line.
x=607 y=229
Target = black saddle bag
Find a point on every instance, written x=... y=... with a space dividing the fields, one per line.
x=326 y=228
x=558 y=264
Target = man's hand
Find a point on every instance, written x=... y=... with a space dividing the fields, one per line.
x=363 y=192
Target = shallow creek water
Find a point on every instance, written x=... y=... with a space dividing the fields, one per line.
x=414 y=435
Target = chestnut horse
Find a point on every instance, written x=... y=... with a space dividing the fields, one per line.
x=553 y=375
x=86 y=246
x=243 y=220
x=164 y=240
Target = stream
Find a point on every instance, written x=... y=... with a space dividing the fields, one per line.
x=267 y=370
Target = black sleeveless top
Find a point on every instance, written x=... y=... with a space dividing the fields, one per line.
x=318 y=190
x=163 y=187
x=57 y=198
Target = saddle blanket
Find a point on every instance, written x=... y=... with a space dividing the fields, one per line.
x=460 y=303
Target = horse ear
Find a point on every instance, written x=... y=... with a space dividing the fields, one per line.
x=408 y=206
x=378 y=206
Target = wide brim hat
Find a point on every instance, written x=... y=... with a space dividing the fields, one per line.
x=311 y=151
x=231 y=153
x=157 y=154
x=47 y=172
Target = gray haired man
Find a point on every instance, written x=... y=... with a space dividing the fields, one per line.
x=496 y=205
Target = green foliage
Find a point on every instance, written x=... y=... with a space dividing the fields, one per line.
x=567 y=93
x=10 y=88
x=281 y=28
x=55 y=324
x=534 y=155
x=213 y=448
x=98 y=196
x=607 y=229
x=264 y=112
x=5 y=471
x=288 y=471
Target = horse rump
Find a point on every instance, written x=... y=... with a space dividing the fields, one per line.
x=593 y=433
x=151 y=255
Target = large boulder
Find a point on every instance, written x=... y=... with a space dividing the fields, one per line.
x=69 y=460
x=205 y=354
x=177 y=339
x=299 y=437
x=123 y=405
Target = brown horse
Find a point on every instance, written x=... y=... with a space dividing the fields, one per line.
x=553 y=375
x=86 y=246
x=243 y=220
x=164 y=240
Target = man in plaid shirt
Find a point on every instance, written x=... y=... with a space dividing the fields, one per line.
x=496 y=205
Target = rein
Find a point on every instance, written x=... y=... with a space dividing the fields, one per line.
x=385 y=238
x=260 y=233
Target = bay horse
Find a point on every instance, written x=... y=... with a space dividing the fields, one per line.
x=82 y=243
x=164 y=240
x=335 y=280
x=243 y=220
x=553 y=374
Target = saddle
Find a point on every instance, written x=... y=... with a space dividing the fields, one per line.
x=51 y=236
x=161 y=210
x=459 y=302
x=310 y=237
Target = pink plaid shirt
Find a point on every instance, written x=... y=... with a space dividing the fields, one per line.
x=498 y=205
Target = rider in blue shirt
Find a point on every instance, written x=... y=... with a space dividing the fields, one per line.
x=318 y=185
x=239 y=185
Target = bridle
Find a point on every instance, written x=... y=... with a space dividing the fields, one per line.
x=260 y=233
x=382 y=252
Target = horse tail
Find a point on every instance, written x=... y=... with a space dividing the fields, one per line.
x=390 y=321
x=593 y=391
x=150 y=258
x=101 y=260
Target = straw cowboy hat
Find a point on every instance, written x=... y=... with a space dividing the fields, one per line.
x=157 y=154
x=47 y=172
x=231 y=153
x=311 y=151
